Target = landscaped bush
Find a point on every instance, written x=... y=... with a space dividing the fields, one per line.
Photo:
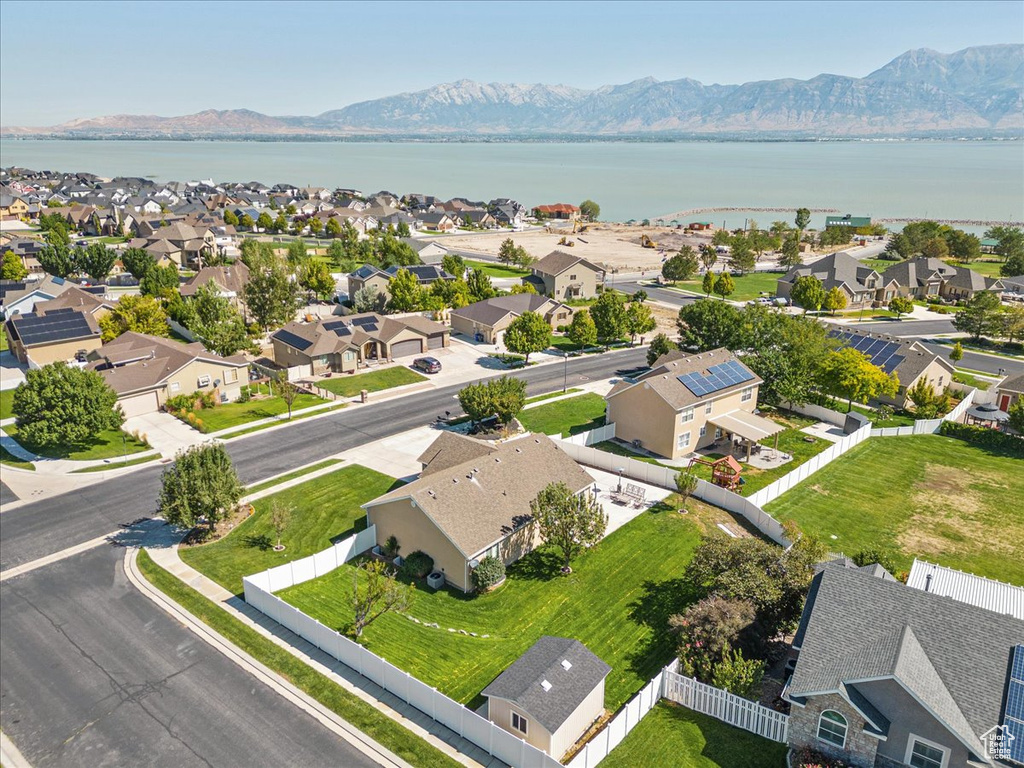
x=417 y=565
x=490 y=571
x=811 y=758
x=985 y=437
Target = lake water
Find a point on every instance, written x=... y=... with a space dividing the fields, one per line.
x=952 y=180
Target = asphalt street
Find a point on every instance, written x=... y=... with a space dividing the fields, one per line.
x=94 y=674
x=51 y=525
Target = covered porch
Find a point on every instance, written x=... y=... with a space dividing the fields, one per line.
x=751 y=429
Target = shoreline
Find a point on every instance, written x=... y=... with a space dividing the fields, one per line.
x=880 y=220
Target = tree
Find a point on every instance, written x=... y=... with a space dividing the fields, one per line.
x=609 y=316
x=724 y=284
x=503 y=397
x=57 y=260
x=1012 y=321
x=297 y=252
x=707 y=630
x=936 y=248
x=808 y=292
x=490 y=571
x=572 y=522
x=956 y=354
x=245 y=220
x=1013 y=266
x=590 y=210
x=850 y=375
x=454 y=265
x=213 y=320
x=835 y=236
x=708 y=284
x=480 y=287
x=336 y=254
x=1016 y=420
x=741 y=254
x=316 y=278
x=96 y=261
x=791 y=251
x=139 y=314
x=901 y=305
x=803 y=218
x=280 y=516
x=375 y=591
x=402 y=230
x=721 y=237
x=369 y=299
x=686 y=484
x=898 y=248
x=287 y=391
x=406 y=294
x=264 y=221
x=280 y=223
x=231 y=218
x=257 y=254
x=137 y=261
x=639 y=320
x=835 y=300
x=640 y=296
x=582 y=331
x=316 y=225
x=980 y=317
x=60 y=404
x=507 y=251
x=709 y=325
x=450 y=293
x=271 y=296
x=200 y=486
x=660 y=345
x=1010 y=241
x=13 y=269
x=682 y=266
x=738 y=675
x=528 y=333
x=928 y=404
x=161 y=282
x=708 y=256
x=760 y=241
x=963 y=246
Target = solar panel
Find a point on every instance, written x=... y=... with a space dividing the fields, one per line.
x=1013 y=717
x=338 y=328
x=718 y=377
x=58 y=325
x=292 y=340
x=881 y=352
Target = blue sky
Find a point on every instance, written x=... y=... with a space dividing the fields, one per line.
x=62 y=60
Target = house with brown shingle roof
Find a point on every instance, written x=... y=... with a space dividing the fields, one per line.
x=229 y=280
x=488 y=319
x=75 y=298
x=47 y=336
x=462 y=512
x=563 y=276
x=147 y=370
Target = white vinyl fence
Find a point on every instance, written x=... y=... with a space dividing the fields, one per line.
x=929 y=426
x=259 y=593
x=607 y=432
x=725 y=706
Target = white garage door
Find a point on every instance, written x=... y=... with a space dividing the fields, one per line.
x=136 y=405
x=406 y=348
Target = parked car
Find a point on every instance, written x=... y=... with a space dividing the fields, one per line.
x=427 y=364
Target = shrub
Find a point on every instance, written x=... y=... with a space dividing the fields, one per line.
x=884 y=557
x=417 y=565
x=805 y=757
x=562 y=328
x=490 y=571
x=244 y=396
x=986 y=438
x=391 y=546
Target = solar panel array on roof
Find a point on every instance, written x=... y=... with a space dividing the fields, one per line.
x=59 y=325
x=292 y=340
x=11 y=287
x=1013 y=718
x=718 y=377
x=366 y=323
x=881 y=352
x=338 y=328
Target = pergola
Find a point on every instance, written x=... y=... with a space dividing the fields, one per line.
x=752 y=428
x=988 y=415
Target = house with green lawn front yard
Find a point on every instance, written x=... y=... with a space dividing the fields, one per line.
x=459 y=513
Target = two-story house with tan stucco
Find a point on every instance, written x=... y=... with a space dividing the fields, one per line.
x=563 y=276
x=686 y=402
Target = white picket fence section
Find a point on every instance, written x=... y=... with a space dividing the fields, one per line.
x=725 y=706
x=259 y=593
x=929 y=426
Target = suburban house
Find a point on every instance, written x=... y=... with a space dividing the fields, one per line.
x=12 y=207
x=429 y=251
x=557 y=211
x=42 y=337
x=147 y=370
x=861 y=284
x=439 y=220
x=549 y=696
x=847 y=220
x=910 y=360
x=425 y=274
x=891 y=675
x=77 y=299
x=461 y=510
x=487 y=320
x=342 y=344
x=229 y=280
x=563 y=276
x=1009 y=391
x=19 y=297
x=368 y=274
x=686 y=402
x=923 y=277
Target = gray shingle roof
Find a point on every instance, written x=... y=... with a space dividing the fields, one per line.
x=838 y=269
x=556 y=262
x=665 y=382
x=490 y=311
x=522 y=682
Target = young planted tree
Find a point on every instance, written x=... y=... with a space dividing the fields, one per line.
x=60 y=404
x=835 y=300
x=369 y=299
x=582 y=331
x=12 y=268
x=375 y=591
x=287 y=392
x=791 y=251
x=724 y=285
x=708 y=286
x=572 y=522
x=527 y=334
x=686 y=484
x=297 y=253
x=271 y=296
x=609 y=317
x=850 y=375
x=139 y=314
x=200 y=486
x=280 y=516
x=660 y=345
x=901 y=305
x=808 y=292
x=928 y=404
x=708 y=256
x=741 y=676
x=956 y=354
x=639 y=320
x=741 y=254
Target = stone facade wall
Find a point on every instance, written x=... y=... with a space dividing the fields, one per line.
x=803 y=731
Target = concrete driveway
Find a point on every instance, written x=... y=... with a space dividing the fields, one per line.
x=165 y=433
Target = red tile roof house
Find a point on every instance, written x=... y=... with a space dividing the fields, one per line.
x=557 y=211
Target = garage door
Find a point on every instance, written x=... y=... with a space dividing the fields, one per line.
x=136 y=405
x=406 y=348
x=435 y=342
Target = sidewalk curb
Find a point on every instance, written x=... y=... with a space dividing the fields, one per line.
x=264 y=674
x=10 y=755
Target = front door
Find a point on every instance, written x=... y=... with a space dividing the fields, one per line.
x=1004 y=403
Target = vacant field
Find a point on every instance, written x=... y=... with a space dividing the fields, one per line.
x=375 y=381
x=932 y=497
x=565 y=417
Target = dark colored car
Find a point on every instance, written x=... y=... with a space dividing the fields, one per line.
x=427 y=364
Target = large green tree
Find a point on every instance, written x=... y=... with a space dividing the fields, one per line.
x=13 y=269
x=590 y=210
x=709 y=325
x=453 y=294
x=201 y=486
x=791 y=251
x=660 y=345
x=1010 y=241
x=681 y=266
x=96 y=261
x=58 y=259
x=213 y=320
x=162 y=282
x=139 y=314
x=272 y=296
x=138 y=261
x=741 y=254
x=609 y=315
x=406 y=294
x=570 y=521
x=849 y=374
x=480 y=287
x=264 y=222
x=724 y=284
x=808 y=292
x=835 y=300
x=60 y=404
x=639 y=321
x=316 y=278
x=582 y=331
x=527 y=334
x=503 y=397
x=980 y=317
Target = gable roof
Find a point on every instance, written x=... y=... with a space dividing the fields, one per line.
x=56 y=326
x=1012 y=384
x=994 y=595
x=556 y=262
x=836 y=270
x=333 y=334
x=11 y=292
x=424 y=273
x=916 y=273
x=73 y=298
x=490 y=311
x=664 y=378
x=550 y=705
x=907 y=358
x=451 y=449
x=231 y=278
x=480 y=501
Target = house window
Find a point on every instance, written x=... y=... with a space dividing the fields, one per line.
x=708 y=408
x=572 y=277
x=703 y=430
x=204 y=381
x=175 y=386
x=686 y=416
x=683 y=441
x=748 y=393
x=231 y=375
x=718 y=433
x=922 y=753
x=519 y=723
x=832 y=728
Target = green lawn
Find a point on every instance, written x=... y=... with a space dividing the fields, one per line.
x=6 y=403
x=879 y=265
x=115 y=464
x=292 y=475
x=295 y=417
x=933 y=497
x=374 y=381
x=3 y=341
x=748 y=286
x=616 y=601
x=233 y=414
x=549 y=395
x=325 y=510
x=898 y=418
x=963 y=377
x=9 y=459
x=347 y=705
x=565 y=417
x=986 y=268
x=496 y=270
x=673 y=735
x=106 y=445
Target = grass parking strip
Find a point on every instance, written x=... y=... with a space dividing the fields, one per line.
x=345 y=704
x=9 y=459
x=116 y=465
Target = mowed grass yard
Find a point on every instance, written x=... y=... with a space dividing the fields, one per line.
x=6 y=403
x=496 y=270
x=670 y=735
x=748 y=286
x=374 y=381
x=325 y=510
x=565 y=417
x=616 y=601
x=106 y=445
x=234 y=414
x=928 y=496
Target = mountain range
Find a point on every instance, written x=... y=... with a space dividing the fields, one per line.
x=978 y=91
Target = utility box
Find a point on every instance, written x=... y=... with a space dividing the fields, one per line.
x=364 y=396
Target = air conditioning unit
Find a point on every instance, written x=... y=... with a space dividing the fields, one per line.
x=637 y=444
x=204 y=381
